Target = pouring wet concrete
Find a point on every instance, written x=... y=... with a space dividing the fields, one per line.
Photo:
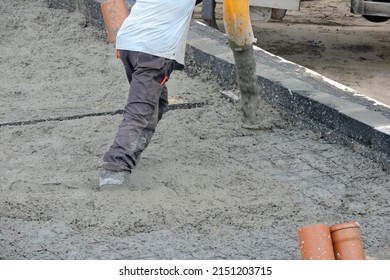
x=205 y=188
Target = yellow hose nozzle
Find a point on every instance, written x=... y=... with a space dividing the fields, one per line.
x=238 y=27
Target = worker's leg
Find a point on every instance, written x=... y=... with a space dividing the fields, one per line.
x=163 y=102
x=149 y=130
x=145 y=72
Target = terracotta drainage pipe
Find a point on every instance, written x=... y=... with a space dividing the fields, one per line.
x=316 y=243
x=114 y=13
x=347 y=241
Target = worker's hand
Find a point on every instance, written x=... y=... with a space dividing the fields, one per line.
x=118 y=54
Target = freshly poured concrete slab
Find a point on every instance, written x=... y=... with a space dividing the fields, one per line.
x=205 y=188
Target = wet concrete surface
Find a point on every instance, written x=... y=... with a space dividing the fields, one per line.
x=205 y=188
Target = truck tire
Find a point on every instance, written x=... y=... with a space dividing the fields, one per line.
x=376 y=18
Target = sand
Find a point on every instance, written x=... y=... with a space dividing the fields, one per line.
x=205 y=188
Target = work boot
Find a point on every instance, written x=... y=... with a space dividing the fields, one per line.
x=112 y=175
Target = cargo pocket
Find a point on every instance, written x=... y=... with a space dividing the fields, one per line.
x=160 y=67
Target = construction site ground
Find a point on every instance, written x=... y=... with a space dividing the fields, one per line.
x=205 y=188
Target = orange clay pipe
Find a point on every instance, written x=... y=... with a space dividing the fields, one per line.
x=238 y=27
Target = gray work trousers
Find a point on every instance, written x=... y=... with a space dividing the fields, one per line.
x=148 y=97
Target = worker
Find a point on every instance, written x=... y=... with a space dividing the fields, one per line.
x=150 y=43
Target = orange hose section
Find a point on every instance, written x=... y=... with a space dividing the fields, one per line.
x=114 y=13
x=230 y=16
x=237 y=23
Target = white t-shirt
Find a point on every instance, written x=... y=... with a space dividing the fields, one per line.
x=157 y=27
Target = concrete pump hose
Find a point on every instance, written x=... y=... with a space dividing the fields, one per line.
x=238 y=27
